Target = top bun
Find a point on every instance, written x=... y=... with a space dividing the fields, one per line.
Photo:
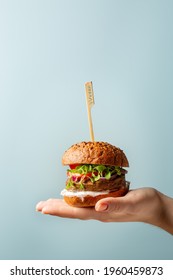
x=95 y=153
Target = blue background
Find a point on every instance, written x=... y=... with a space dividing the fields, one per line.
x=48 y=50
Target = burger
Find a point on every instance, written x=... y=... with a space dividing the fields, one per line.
x=96 y=170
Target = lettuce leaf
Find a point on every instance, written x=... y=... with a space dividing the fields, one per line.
x=96 y=171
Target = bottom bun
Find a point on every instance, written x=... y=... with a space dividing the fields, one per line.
x=90 y=201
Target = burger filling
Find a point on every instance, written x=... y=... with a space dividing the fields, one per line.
x=96 y=178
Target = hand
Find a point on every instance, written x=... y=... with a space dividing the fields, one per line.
x=140 y=205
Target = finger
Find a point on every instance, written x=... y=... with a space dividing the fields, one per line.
x=58 y=207
x=43 y=204
x=40 y=205
x=110 y=204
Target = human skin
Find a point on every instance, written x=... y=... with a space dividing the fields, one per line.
x=146 y=205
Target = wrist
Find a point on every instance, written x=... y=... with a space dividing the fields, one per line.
x=163 y=216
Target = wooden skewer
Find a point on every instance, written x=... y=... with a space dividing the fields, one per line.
x=90 y=103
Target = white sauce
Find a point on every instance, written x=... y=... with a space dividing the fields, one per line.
x=81 y=193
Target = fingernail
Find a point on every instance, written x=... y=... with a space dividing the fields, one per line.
x=102 y=207
x=38 y=206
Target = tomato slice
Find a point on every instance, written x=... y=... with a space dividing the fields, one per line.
x=90 y=174
x=73 y=166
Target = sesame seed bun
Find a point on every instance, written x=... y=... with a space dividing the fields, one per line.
x=95 y=153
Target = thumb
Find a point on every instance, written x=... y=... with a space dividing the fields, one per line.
x=111 y=204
